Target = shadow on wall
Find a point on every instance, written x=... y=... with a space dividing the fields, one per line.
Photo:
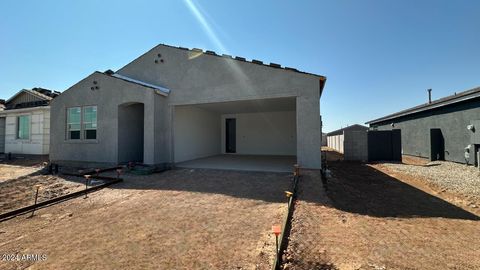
x=358 y=188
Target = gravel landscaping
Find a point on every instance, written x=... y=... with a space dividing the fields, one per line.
x=454 y=177
x=370 y=218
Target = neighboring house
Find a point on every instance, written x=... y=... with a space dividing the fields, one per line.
x=174 y=104
x=444 y=129
x=336 y=139
x=25 y=122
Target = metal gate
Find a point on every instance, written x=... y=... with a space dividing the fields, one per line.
x=384 y=145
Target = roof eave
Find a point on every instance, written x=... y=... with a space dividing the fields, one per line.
x=426 y=107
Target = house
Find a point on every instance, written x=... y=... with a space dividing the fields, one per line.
x=336 y=139
x=25 y=122
x=173 y=105
x=443 y=129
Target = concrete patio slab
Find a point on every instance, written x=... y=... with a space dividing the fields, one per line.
x=242 y=163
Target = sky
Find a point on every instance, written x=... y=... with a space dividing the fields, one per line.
x=379 y=56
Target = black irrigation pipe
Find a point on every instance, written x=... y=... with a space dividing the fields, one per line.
x=287 y=224
x=14 y=213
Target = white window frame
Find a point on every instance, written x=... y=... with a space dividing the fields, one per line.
x=67 y=130
x=82 y=129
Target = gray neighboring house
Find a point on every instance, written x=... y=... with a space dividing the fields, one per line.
x=444 y=129
x=173 y=104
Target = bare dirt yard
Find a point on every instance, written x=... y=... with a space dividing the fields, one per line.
x=20 y=166
x=179 y=219
x=18 y=185
x=371 y=218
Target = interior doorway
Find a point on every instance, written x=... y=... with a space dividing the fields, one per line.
x=130 y=132
x=230 y=135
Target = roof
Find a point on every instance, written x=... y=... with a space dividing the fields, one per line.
x=145 y=84
x=354 y=127
x=31 y=92
x=452 y=99
x=243 y=59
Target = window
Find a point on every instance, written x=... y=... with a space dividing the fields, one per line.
x=82 y=120
x=23 y=127
x=90 y=122
x=73 y=123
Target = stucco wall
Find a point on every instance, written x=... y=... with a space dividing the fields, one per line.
x=196 y=133
x=452 y=120
x=265 y=133
x=111 y=93
x=196 y=78
x=38 y=143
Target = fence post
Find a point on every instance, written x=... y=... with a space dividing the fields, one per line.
x=36 y=198
x=87 y=178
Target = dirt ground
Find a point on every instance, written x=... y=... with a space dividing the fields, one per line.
x=18 y=186
x=369 y=219
x=8 y=172
x=20 y=166
x=179 y=219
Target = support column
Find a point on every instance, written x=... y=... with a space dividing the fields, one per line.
x=149 y=132
x=308 y=132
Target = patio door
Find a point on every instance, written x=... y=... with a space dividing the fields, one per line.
x=230 y=135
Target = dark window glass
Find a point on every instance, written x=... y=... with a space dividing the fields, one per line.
x=75 y=135
x=90 y=134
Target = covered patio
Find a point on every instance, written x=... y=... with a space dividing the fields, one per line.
x=264 y=163
x=252 y=135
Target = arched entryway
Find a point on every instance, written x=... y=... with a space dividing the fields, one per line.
x=130 y=132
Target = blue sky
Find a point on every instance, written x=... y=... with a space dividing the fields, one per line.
x=379 y=56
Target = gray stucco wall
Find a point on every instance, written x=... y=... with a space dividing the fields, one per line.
x=111 y=93
x=451 y=120
x=196 y=78
x=264 y=133
x=197 y=133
